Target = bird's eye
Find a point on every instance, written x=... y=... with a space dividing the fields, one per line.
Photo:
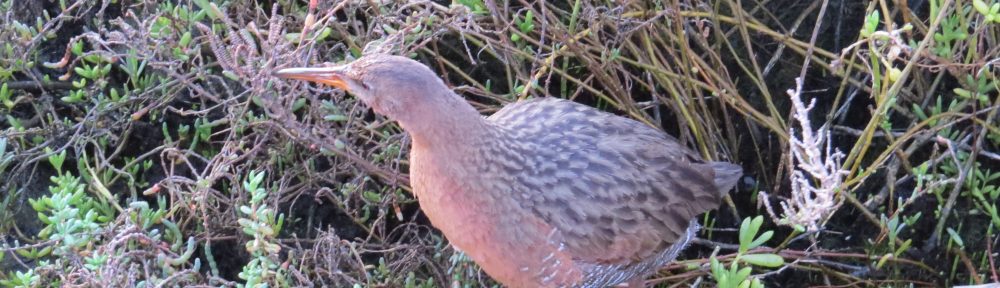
x=364 y=85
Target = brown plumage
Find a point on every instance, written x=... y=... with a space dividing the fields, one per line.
x=545 y=192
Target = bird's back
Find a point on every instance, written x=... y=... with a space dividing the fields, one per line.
x=620 y=195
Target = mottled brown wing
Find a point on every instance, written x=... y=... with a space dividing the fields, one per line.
x=615 y=189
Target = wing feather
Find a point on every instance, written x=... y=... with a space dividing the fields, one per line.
x=614 y=189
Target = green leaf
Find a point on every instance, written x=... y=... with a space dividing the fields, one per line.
x=371 y=196
x=323 y=34
x=902 y=248
x=293 y=37
x=528 y=24
x=80 y=84
x=185 y=39
x=298 y=104
x=955 y=237
x=5 y=96
x=335 y=117
x=763 y=260
x=742 y=274
x=755 y=283
x=748 y=229
x=77 y=48
x=86 y=73
x=114 y=94
x=56 y=159
x=761 y=240
x=231 y=75
x=981 y=7
x=871 y=23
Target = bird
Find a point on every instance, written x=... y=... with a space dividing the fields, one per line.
x=545 y=192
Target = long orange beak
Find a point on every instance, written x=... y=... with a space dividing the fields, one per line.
x=333 y=76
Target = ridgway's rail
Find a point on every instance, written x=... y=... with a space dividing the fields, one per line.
x=545 y=192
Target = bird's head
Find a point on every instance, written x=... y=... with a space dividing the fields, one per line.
x=397 y=87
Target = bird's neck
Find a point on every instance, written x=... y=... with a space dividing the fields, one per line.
x=448 y=122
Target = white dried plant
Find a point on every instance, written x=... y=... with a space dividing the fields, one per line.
x=816 y=175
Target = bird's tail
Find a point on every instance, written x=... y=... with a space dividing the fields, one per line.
x=726 y=175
